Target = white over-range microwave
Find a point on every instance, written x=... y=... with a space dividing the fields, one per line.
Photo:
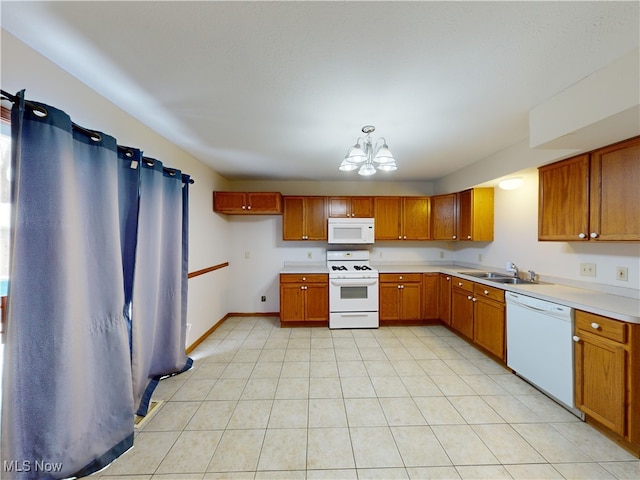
x=351 y=231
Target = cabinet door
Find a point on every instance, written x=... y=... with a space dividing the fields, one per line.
x=462 y=312
x=430 y=296
x=387 y=214
x=389 y=301
x=339 y=207
x=229 y=202
x=475 y=215
x=264 y=202
x=315 y=218
x=615 y=192
x=489 y=326
x=563 y=200
x=444 y=217
x=444 y=303
x=317 y=302
x=600 y=380
x=410 y=301
x=293 y=218
x=415 y=218
x=291 y=302
x=362 y=207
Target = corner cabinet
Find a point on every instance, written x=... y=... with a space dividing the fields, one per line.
x=402 y=218
x=607 y=366
x=304 y=298
x=592 y=197
x=304 y=218
x=466 y=216
x=247 y=203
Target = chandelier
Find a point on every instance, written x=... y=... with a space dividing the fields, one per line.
x=368 y=157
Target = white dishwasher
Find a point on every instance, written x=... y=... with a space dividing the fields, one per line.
x=540 y=346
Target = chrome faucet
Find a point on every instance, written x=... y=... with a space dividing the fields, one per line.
x=532 y=276
x=513 y=268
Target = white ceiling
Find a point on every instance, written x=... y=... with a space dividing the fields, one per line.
x=280 y=90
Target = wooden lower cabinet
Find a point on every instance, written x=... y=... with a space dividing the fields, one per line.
x=444 y=300
x=489 y=320
x=304 y=298
x=462 y=307
x=607 y=383
x=430 y=296
x=400 y=297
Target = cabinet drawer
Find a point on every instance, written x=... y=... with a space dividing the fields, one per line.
x=601 y=326
x=400 y=277
x=462 y=283
x=302 y=278
x=480 y=290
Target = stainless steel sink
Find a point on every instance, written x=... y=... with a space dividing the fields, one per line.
x=489 y=275
x=513 y=281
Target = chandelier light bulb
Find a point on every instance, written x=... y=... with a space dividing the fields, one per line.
x=368 y=157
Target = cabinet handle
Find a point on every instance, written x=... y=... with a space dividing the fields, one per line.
x=486 y=292
x=304 y=279
x=469 y=297
x=303 y=287
x=405 y=237
x=595 y=326
x=454 y=237
x=399 y=237
x=249 y=207
x=474 y=299
x=448 y=278
x=243 y=207
x=459 y=284
x=594 y=235
x=468 y=237
x=400 y=277
x=582 y=235
x=576 y=338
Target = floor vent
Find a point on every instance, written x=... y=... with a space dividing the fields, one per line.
x=139 y=421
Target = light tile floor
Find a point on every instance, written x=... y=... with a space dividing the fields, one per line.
x=266 y=402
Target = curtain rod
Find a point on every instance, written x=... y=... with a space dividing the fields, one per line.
x=42 y=112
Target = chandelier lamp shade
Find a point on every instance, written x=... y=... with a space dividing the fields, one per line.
x=368 y=157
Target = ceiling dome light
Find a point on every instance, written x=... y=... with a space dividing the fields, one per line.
x=372 y=157
x=511 y=183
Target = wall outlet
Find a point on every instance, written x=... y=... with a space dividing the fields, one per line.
x=263 y=298
x=588 y=269
x=247 y=254
x=622 y=273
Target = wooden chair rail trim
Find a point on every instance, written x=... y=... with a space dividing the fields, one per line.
x=207 y=270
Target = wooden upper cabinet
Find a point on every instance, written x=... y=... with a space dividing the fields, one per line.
x=415 y=218
x=594 y=196
x=563 y=200
x=475 y=215
x=402 y=218
x=615 y=192
x=247 y=203
x=387 y=212
x=346 y=207
x=304 y=218
x=444 y=217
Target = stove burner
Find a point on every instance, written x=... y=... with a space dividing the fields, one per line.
x=340 y=267
x=362 y=267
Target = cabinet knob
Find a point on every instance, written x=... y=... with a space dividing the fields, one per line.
x=399 y=237
x=454 y=237
x=304 y=279
x=593 y=235
x=474 y=299
x=582 y=235
x=469 y=297
x=486 y=292
x=576 y=338
x=249 y=207
x=243 y=207
x=468 y=237
x=405 y=237
x=595 y=326
x=459 y=284
x=400 y=277
x=448 y=278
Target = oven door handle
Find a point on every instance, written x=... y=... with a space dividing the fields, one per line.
x=356 y=282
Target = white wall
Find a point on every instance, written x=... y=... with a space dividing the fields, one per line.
x=23 y=68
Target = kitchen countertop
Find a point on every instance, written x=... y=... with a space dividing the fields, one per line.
x=622 y=308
